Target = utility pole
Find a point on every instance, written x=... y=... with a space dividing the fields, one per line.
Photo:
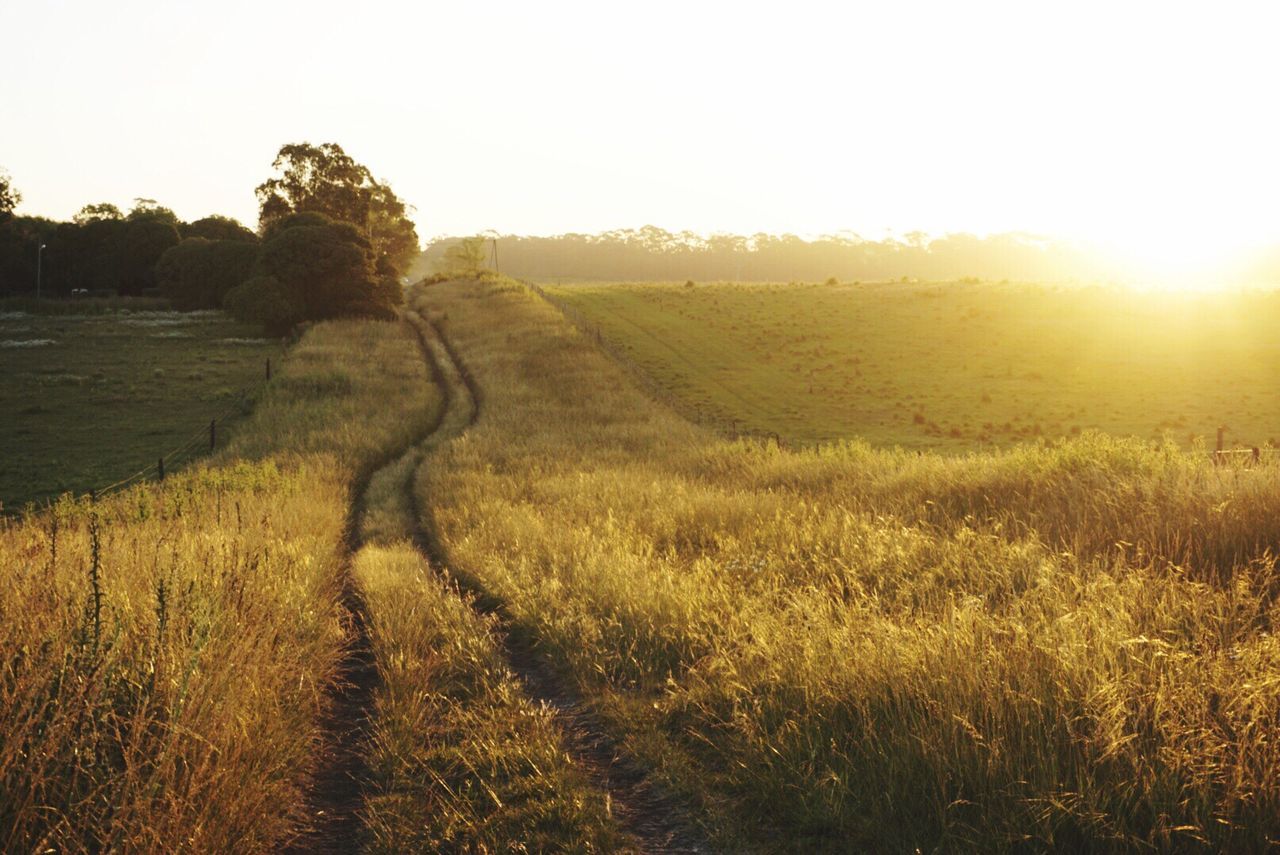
x=493 y=236
x=39 y=267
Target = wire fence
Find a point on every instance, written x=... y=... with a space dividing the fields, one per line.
x=202 y=442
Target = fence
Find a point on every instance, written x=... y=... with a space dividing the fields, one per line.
x=203 y=441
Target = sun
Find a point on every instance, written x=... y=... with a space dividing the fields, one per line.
x=1156 y=253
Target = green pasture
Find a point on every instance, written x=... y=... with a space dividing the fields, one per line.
x=88 y=399
x=952 y=366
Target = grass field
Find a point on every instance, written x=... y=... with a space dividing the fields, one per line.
x=1064 y=645
x=953 y=366
x=842 y=648
x=93 y=397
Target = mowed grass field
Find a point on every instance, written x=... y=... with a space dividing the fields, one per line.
x=88 y=399
x=953 y=366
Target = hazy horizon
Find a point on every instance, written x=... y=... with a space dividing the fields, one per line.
x=1142 y=130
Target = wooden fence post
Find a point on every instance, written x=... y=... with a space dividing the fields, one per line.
x=160 y=468
x=268 y=367
x=213 y=433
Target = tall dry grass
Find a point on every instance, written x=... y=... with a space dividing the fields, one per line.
x=1054 y=647
x=461 y=759
x=164 y=652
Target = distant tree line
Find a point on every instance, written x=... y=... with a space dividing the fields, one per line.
x=332 y=241
x=652 y=253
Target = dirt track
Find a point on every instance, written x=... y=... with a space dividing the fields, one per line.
x=651 y=819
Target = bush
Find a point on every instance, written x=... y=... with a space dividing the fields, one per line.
x=326 y=269
x=198 y=273
x=263 y=300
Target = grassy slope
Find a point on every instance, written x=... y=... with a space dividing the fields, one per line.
x=1059 y=647
x=173 y=703
x=113 y=392
x=952 y=366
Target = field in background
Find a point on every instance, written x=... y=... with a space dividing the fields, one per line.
x=954 y=366
x=91 y=398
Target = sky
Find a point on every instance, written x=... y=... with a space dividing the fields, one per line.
x=1147 y=127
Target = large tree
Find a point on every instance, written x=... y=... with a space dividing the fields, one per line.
x=312 y=267
x=324 y=179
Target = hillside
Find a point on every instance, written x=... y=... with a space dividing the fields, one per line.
x=951 y=366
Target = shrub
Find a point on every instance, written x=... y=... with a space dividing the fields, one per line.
x=325 y=269
x=198 y=273
x=263 y=300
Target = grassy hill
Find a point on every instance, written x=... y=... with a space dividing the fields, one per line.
x=953 y=366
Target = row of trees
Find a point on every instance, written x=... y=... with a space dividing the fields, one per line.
x=331 y=241
x=100 y=249
x=653 y=253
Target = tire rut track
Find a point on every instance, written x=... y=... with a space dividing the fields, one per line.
x=335 y=794
x=650 y=816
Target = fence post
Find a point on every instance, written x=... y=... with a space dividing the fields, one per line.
x=160 y=468
x=1257 y=454
x=1221 y=431
x=213 y=433
x=268 y=367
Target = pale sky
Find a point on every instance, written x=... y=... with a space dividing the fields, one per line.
x=1149 y=125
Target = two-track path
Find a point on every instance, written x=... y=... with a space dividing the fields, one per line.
x=653 y=820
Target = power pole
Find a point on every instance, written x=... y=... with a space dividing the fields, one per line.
x=495 y=255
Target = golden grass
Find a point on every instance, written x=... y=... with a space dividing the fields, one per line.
x=164 y=652
x=461 y=760
x=1063 y=646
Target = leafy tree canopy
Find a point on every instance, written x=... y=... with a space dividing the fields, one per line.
x=150 y=209
x=325 y=269
x=198 y=273
x=97 y=212
x=263 y=300
x=324 y=179
x=216 y=227
x=140 y=247
x=9 y=197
